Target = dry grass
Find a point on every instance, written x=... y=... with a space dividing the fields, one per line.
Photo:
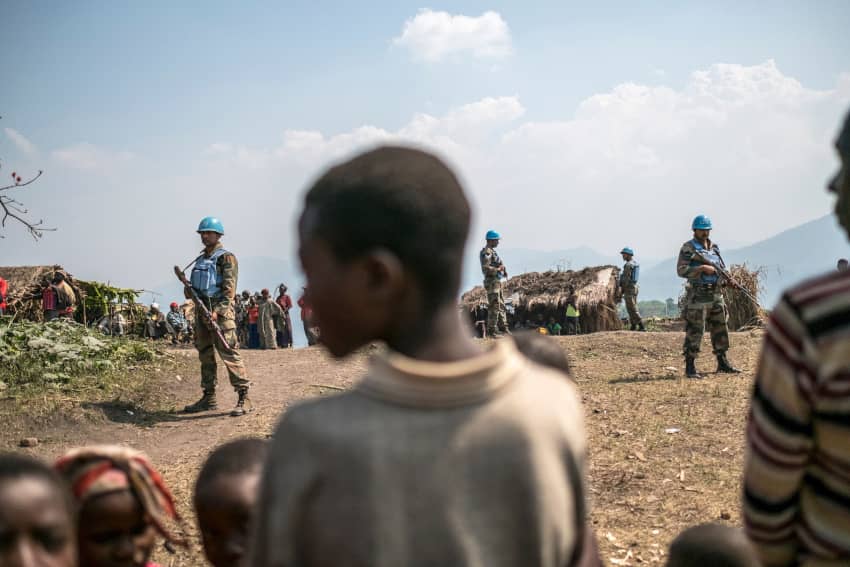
x=647 y=484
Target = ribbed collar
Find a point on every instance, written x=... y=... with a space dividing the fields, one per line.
x=406 y=381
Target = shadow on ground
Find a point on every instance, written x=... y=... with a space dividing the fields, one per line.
x=123 y=412
x=643 y=378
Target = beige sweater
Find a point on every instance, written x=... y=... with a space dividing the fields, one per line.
x=427 y=464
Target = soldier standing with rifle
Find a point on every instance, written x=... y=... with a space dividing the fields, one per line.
x=212 y=286
x=627 y=288
x=701 y=264
x=494 y=270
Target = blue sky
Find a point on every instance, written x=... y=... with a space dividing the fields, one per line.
x=573 y=124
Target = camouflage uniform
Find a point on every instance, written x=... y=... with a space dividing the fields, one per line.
x=206 y=341
x=704 y=303
x=491 y=265
x=629 y=291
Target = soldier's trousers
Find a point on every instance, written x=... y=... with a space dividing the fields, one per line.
x=207 y=343
x=497 y=318
x=630 y=299
x=697 y=317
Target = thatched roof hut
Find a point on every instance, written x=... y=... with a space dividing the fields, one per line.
x=536 y=296
x=94 y=299
x=25 y=283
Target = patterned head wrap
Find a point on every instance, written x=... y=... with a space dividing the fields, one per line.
x=102 y=469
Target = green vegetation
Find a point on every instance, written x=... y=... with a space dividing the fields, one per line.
x=64 y=356
x=653 y=308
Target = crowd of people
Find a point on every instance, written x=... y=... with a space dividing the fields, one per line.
x=443 y=454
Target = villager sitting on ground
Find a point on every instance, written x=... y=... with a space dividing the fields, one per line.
x=156 y=325
x=177 y=322
x=284 y=335
x=378 y=475
x=268 y=310
x=225 y=499
x=571 y=319
x=797 y=466
x=123 y=504
x=553 y=327
x=712 y=545
x=627 y=288
x=701 y=264
x=37 y=515
x=114 y=324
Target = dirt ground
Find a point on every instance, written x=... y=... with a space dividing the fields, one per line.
x=665 y=453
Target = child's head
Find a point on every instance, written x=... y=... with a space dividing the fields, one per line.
x=382 y=238
x=714 y=545
x=226 y=497
x=543 y=350
x=37 y=516
x=123 y=505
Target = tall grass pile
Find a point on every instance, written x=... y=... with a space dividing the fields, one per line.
x=63 y=355
x=745 y=312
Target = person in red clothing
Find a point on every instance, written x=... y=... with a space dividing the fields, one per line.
x=253 y=319
x=307 y=318
x=284 y=336
x=4 y=291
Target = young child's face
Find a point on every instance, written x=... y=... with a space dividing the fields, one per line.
x=114 y=532
x=225 y=509
x=36 y=528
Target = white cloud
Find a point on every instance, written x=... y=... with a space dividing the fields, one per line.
x=433 y=36
x=20 y=141
x=87 y=156
x=633 y=164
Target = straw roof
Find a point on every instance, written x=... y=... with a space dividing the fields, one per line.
x=544 y=294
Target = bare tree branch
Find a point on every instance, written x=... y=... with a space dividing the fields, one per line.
x=15 y=210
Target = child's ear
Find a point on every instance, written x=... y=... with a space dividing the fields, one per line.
x=384 y=274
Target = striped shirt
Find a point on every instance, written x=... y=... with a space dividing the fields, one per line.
x=797 y=471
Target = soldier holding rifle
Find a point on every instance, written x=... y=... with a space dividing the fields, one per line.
x=701 y=264
x=212 y=286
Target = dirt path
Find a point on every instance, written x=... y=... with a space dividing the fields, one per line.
x=645 y=484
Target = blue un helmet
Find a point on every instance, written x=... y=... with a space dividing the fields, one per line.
x=628 y=251
x=493 y=235
x=211 y=224
x=701 y=222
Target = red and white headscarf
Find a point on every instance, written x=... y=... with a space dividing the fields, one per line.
x=102 y=469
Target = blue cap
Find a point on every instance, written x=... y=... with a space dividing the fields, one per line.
x=627 y=250
x=211 y=224
x=493 y=235
x=701 y=222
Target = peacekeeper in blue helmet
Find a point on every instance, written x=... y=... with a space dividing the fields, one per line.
x=627 y=288
x=704 y=301
x=494 y=271
x=214 y=276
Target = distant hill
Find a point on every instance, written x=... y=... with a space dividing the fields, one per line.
x=787 y=258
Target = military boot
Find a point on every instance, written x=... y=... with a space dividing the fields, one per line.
x=640 y=327
x=691 y=368
x=633 y=327
x=724 y=366
x=206 y=403
x=240 y=409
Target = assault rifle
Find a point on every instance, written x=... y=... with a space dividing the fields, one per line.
x=206 y=316
x=724 y=273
